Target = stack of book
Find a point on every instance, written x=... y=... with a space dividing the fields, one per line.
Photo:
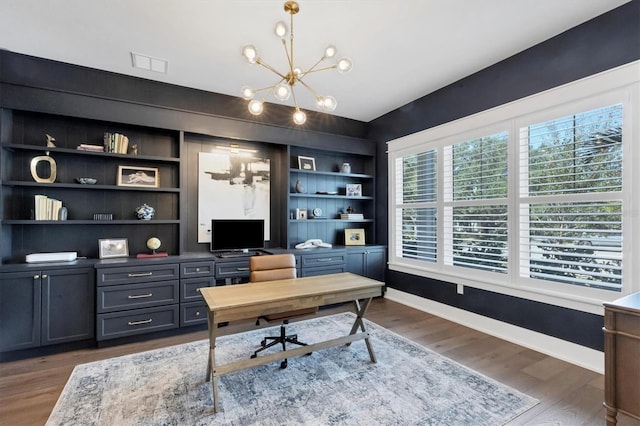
x=116 y=143
x=88 y=147
x=47 y=208
x=351 y=216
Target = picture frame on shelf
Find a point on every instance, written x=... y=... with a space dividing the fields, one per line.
x=354 y=190
x=354 y=237
x=301 y=214
x=113 y=247
x=146 y=177
x=306 y=163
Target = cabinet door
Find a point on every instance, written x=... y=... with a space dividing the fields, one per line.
x=19 y=310
x=375 y=264
x=68 y=305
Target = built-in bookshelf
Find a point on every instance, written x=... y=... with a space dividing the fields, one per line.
x=323 y=196
x=86 y=200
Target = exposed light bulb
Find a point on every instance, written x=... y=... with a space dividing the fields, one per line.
x=282 y=92
x=256 y=107
x=299 y=117
x=250 y=53
x=281 y=29
x=327 y=103
x=247 y=93
x=330 y=51
x=344 y=65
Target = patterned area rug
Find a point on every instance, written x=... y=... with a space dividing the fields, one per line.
x=409 y=385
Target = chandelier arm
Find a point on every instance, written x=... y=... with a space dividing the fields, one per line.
x=270 y=68
x=311 y=70
x=310 y=88
x=295 y=101
x=315 y=65
x=289 y=57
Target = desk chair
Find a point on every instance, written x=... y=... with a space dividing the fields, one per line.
x=269 y=268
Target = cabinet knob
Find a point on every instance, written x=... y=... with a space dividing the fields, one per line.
x=44 y=276
x=35 y=277
x=197 y=269
x=198 y=313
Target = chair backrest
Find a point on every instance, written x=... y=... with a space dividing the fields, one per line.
x=272 y=267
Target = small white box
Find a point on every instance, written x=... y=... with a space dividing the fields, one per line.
x=63 y=256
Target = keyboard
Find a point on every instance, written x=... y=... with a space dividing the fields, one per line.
x=232 y=255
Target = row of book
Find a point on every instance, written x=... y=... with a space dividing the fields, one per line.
x=47 y=208
x=351 y=216
x=116 y=143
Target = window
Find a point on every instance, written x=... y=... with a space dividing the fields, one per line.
x=531 y=198
x=570 y=193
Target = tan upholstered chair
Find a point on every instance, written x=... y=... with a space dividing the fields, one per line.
x=270 y=268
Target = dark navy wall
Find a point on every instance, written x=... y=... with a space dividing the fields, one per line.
x=608 y=41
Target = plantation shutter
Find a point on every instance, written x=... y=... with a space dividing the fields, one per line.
x=416 y=213
x=571 y=199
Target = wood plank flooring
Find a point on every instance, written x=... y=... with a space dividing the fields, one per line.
x=569 y=395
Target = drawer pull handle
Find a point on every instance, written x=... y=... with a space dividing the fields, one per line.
x=326 y=259
x=139 y=296
x=242 y=269
x=142 y=274
x=140 y=322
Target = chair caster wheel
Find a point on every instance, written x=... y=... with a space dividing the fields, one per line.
x=254 y=356
x=283 y=364
x=263 y=343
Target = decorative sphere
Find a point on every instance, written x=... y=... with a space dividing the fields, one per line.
x=153 y=243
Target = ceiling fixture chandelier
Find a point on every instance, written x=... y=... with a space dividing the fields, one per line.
x=284 y=88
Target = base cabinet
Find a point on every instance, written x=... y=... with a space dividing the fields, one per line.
x=46 y=307
x=68 y=300
x=368 y=261
x=20 y=297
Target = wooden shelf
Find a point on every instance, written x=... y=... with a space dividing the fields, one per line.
x=153 y=158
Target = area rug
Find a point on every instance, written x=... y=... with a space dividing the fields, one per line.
x=409 y=385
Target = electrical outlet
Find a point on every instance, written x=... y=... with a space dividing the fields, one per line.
x=460 y=289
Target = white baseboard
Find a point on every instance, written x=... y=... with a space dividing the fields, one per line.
x=570 y=352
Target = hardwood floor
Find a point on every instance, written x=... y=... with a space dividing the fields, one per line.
x=569 y=395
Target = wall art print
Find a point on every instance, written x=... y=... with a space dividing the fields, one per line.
x=232 y=186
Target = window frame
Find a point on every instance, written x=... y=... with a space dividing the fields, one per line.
x=618 y=85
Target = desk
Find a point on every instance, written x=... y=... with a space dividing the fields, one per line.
x=622 y=357
x=247 y=301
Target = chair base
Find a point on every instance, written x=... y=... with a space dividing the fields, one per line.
x=282 y=339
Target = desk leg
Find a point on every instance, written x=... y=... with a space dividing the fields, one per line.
x=211 y=362
x=360 y=309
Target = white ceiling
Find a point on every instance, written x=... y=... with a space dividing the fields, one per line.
x=401 y=49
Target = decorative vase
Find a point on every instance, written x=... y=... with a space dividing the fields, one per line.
x=346 y=168
x=300 y=187
x=145 y=212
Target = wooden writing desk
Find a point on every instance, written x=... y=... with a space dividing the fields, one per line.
x=246 y=301
x=622 y=357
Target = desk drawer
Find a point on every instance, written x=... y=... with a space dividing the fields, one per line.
x=232 y=269
x=132 y=296
x=196 y=269
x=323 y=270
x=193 y=313
x=316 y=260
x=137 y=274
x=189 y=288
x=138 y=321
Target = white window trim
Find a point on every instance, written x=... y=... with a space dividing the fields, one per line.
x=621 y=84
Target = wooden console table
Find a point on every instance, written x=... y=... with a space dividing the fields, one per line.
x=242 y=301
x=622 y=357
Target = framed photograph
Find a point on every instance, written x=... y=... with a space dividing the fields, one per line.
x=354 y=190
x=113 y=247
x=301 y=214
x=306 y=163
x=138 y=176
x=354 y=237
